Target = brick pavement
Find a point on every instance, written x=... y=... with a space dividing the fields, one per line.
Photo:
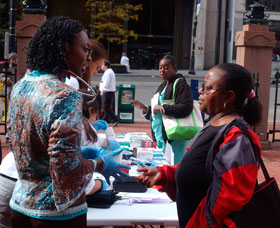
x=271 y=157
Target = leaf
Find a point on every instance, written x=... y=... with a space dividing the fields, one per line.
x=109 y=18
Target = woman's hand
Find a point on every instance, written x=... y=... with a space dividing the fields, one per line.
x=150 y=176
x=139 y=105
x=157 y=109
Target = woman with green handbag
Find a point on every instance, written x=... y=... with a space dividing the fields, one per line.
x=174 y=87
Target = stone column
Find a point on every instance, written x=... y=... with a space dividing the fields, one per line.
x=254 y=51
x=25 y=30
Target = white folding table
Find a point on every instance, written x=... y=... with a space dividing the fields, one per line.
x=135 y=214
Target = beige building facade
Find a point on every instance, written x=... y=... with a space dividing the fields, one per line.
x=212 y=47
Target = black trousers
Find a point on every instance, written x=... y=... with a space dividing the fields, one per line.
x=107 y=101
x=20 y=220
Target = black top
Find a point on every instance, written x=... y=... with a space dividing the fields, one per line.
x=190 y=176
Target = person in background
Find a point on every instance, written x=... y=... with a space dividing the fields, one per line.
x=183 y=105
x=89 y=137
x=9 y=68
x=107 y=90
x=11 y=65
x=8 y=178
x=97 y=59
x=52 y=175
x=125 y=61
x=218 y=174
x=277 y=57
x=91 y=124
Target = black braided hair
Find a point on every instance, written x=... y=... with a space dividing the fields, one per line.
x=170 y=58
x=46 y=51
x=239 y=80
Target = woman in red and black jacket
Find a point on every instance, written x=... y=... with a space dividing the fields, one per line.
x=218 y=174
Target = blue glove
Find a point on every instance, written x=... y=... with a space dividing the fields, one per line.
x=114 y=145
x=92 y=152
x=100 y=125
x=112 y=168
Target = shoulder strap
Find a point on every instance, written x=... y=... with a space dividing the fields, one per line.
x=243 y=128
x=174 y=86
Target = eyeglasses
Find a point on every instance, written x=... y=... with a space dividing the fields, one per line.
x=86 y=49
x=205 y=89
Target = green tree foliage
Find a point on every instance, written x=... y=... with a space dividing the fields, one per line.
x=110 y=18
x=4 y=18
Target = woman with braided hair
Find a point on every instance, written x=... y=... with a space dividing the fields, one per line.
x=44 y=128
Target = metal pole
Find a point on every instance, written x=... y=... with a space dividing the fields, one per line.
x=35 y=6
x=192 y=59
x=218 y=32
x=108 y=48
x=125 y=27
x=13 y=15
x=92 y=27
x=227 y=31
x=275 y=105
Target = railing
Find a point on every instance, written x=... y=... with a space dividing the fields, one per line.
x=276 y=104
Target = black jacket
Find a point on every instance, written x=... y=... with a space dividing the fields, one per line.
x=183 y=100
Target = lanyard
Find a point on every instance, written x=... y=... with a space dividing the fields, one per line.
x=93 y=95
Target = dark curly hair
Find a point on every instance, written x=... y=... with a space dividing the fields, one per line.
x=239 y=80
x=46 y=51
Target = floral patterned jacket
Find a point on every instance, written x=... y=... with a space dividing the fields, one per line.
x=44 y=125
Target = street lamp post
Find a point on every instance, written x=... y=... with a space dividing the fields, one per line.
x=255 y=14
x=254 y=45
x=192 y=59
x=34 y=7
x=33 y=16
x=13 y=15
x=218 y=32
x=31 y=7
x=108 y=40
x=92 y=20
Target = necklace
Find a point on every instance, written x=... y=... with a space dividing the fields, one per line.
x=222 y=119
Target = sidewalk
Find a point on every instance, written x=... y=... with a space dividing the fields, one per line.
x=149 y=73
x=271 y=157
x=199 y=74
